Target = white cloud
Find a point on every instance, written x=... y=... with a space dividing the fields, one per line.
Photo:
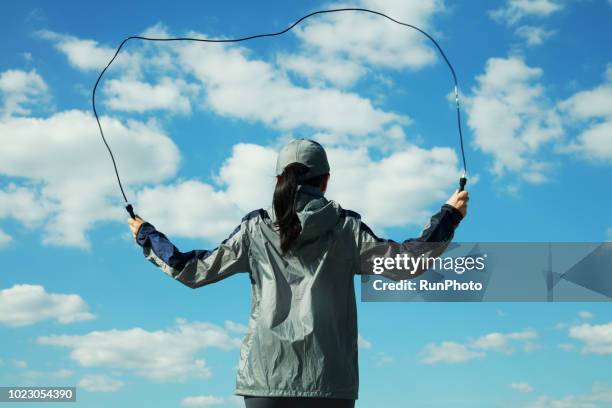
x=20 y=90
x=133 y=60
x=162 y=355
x=20 y=363
x=332 y=51
x=448 y=352
x=599 y=397
x=451 y=352
x=593 y=110
x=593 y=103
x=248 y=176
x=585 y=314
x=356 y=183
x=61 y=373
x=378 y=41
x=196 y=209
x=530 y=346
x=319 y=70
x=522 y=387
x=202 y=401
x=128 y=94
x=100 y=383
x=71 y=132
x=511 y=119
x=566 y=346
x=324 y=39
x=82 y=54
x=235 y=401
x=502 y=342
x=601 y=392
x=234 y=327
x=363 y=343
x=533 y=35
x=18 y=81
x=190 y=209
x=253 y=90
x=552 y=402
x=38 y=375
x=69 y=170
x=595 y=143
x=23 y=305
x=22 y=204
x=5 y=239
x=382 y=359
x=516 y=10
x=266 y=94
x=597 y=339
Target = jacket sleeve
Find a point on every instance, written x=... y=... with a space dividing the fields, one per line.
x=198 y=267
x=433 y=241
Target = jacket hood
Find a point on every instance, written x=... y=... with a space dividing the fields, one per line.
x=316 y=213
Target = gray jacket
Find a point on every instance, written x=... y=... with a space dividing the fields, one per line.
x=302 y=331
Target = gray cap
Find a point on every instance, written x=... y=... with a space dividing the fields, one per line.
x=305 y=151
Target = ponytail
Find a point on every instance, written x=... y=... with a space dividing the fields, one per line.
x=283 y=202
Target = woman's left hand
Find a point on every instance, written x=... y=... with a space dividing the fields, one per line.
x=135 y=224
x=459 y=200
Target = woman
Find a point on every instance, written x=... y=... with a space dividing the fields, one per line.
x=301 y=255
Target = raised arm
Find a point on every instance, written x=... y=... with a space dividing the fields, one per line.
x=433 y=240
x=198 y=267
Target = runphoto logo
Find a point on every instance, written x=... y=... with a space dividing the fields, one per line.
x=405 y=262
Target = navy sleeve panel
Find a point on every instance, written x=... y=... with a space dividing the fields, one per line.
x=160 y=244
x=200 y=266
x=364 y=228
x=260 y=212
x=440 y=228
x=350 y=213
x=433 y=241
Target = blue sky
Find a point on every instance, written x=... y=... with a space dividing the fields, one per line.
x=195 y=128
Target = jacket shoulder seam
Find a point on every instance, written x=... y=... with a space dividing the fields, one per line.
x=260 y=212
x=350 y=213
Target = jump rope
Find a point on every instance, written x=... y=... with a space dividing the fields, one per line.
x=130 y=209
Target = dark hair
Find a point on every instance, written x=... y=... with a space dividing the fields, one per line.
x=283 y=202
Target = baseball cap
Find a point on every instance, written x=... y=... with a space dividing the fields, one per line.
x=304 y=151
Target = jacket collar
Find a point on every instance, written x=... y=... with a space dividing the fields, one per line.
x=305 y=194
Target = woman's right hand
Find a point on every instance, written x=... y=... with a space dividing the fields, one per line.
x=135 y=224
x=459 y=200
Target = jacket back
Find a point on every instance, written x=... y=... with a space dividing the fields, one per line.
x=302 y=338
